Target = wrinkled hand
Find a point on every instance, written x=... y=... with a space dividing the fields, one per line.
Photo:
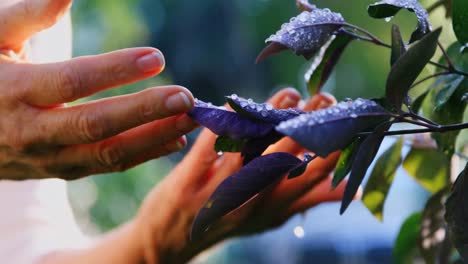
x=40 y=137
x=166 y=216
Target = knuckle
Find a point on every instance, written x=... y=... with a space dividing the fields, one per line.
x=69 y=83
x=90 y=127
x=111 y=157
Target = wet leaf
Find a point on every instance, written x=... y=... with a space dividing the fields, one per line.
x=262 y=112
x=449 y=83
x=228 y=123
x=433 y=239
x=364 y=157
x=304 y=34
x=333 y=128
x=389 y=8
x=398 y=46
x=344 y=164
x=241 y=187
x=408 y=67
x=301 y=168
x=381 y=179
x=460 y=20
x=227 y=144
x=405 y=249
x=304 y=5
x=456 y=213
x=429 y=167
x=325 y=61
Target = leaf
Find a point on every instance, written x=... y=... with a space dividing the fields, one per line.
x=256 y=146
x=461 y=143
x=407 y=68
x=456 y=213
x=241 y=187
x=416 y=105
x=301 y=168
x=304 y=34
x=344 y=164
x=262 y=112
x=227 y=144
x=364 y=157
x=398 y=46
x=333 y=128
x=381 y=179
x=433 y=236
x=227 y=123
x=389 y=8
x=444 y=105
x=304 y=5
x=460 y=20
x=429 y=167
x=325 y=61
x=406 y=241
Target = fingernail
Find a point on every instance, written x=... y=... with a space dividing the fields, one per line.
x=151 y=62
x=288 y=102
x=178 y=102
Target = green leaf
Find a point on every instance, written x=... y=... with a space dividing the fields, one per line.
x=381 y=179
x=408 y=67
x=405 y=248
x=456 y=214
x=364 y=157
x=457 y=56
x=227 y=144
x=345 y=162
x=460 y=20
x=450 y=112
x=461 y=144
x=433 y=238
x=429 y=167
x=398 y=46
x=416 y=105
x=324 y=62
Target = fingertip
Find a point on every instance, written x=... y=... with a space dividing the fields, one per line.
x=152 y=62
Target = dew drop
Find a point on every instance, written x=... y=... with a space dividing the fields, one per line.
x=388 y=19
x=299 y=232
x=353 y=115
x=269 y=107
x=220 y=153
x=250 y=101
x=234 y=96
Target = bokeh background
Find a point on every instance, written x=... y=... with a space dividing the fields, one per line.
x=210 y=48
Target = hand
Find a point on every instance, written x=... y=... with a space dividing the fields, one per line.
x=41 y=137
x=164 y=222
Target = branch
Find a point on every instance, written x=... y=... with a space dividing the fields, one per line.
x=439 y=129
x=430 y=77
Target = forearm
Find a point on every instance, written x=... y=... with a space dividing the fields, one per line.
x=119 y=246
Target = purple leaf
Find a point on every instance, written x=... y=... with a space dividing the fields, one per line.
x=228 y=123
x=364 y=157
x=263 y=112
x=241 y=187
x=300 y=168
x=328 y=130
x=305 y=34
x=389 y=8
x=256 y=146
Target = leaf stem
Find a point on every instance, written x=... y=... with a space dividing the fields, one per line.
x=372 y=38
x=438 y=129
x=418 y=117
x=430 y=77
x=446 y=56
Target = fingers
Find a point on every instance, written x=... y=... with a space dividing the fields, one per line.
x=98 y=120
x=285 y=98
x=57 y=83
x=125 y=150
x=19 y=20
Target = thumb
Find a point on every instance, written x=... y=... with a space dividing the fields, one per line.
x=20 y=19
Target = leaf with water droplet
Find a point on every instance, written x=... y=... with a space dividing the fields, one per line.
x=240 y=187
x=460 y=20
x=256 y=146
x=305 y=34
x=389 y=8
x=408 y=67
x=429 y=167
x=304 y=5
x=301 y=168
x=262 y=112
x=228 y=123
x=433 y=239
x=456 y=213
x=325 y=61
x=381 y=178
x=398 y=46
x=364 y=157
x=333 y=128
x=345 y=162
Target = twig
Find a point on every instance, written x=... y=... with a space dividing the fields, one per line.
x=439 y=129
x=430 y=77
x=446 y=56
x=435 y=6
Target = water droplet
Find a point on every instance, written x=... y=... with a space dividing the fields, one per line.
x=299 y=232
x=269 y=107
x=353 y=115
x=388 y=19
x=250 y=101
x=220 y=153
x=234 y=96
